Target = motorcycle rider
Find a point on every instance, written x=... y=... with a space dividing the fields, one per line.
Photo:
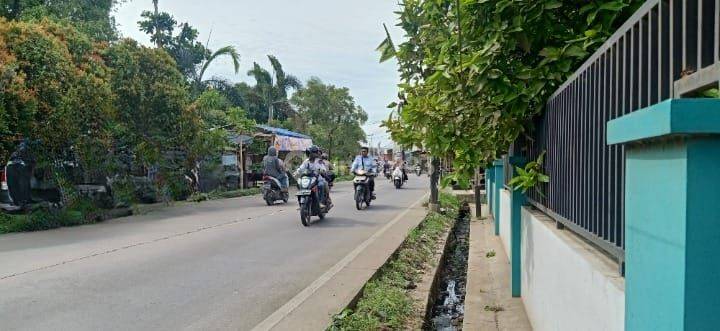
x=399 y=162
x=328 y=167
x=367 y=163
x=314 y=164
x=386 y=167
x=274 y=167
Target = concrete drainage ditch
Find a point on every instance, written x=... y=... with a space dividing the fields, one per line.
x=448 y=293
x=422 y=286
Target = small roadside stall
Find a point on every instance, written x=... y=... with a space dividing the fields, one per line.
x=290 y=145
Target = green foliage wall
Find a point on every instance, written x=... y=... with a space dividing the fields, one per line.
x=55 y=88
x=476 y=72
x=329 y=114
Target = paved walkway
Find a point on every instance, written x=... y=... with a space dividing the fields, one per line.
x=488 y=303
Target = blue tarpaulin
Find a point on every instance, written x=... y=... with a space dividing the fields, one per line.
x=282 y=132
x=286 y=140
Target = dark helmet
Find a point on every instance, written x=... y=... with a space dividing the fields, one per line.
x=313 y=150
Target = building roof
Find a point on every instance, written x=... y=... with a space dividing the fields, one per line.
x=239 y=139
x=282 y=132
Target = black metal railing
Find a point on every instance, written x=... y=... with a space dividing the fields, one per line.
x=666 y=49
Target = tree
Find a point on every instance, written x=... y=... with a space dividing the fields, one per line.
x=218 y=113
x=54 y=90
x=91 y=17
x=215 y=118
x=228 y=51
x=187 y=51
x=159 y=25
x=191 y=57
x=331 y=117
x=270 y=92
x=154 y=123
x=476 y=73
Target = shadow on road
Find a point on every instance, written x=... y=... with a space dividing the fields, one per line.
x=341 y=222
x=405 y=188
x=383 y=207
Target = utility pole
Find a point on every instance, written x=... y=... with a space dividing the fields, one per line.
x=370 y=144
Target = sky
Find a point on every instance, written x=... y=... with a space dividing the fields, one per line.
x=334 y=40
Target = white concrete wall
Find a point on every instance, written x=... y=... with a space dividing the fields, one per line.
x=567 y=284
x=505 y=197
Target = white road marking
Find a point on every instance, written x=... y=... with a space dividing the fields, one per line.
x=296 y=301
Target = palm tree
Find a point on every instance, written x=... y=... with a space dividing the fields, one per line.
x=283 y=81
x=273 y=88
x=225 y=51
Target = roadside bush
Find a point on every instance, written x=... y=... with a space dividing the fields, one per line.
x=38 y=220
x=82 y=211
x=54 y=89
x=123 y=192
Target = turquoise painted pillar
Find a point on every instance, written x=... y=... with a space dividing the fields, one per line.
x=498 y=183
x=672 y=214
x=489 y=173
x=517 y=201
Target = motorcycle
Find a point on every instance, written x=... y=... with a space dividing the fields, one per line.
x=272 y=191
x=418 y=170
x=398 y=178
x=309 y=197
x=330 y=179
x=387 y=173
x=363 y=196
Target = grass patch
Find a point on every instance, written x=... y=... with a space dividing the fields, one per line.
x=386 y=302
x=46 y=218
x=83 y=211
x=218 y=194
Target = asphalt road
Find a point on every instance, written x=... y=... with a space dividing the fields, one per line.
x=224 y=264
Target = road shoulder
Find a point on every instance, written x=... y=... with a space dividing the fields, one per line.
x=314 y=311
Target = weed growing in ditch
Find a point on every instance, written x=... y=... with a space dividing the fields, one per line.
x=494 y=308
x=385 y=301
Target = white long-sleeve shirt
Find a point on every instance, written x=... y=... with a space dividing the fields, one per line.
x=314 y=166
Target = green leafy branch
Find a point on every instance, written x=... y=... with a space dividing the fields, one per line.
x=530 y=176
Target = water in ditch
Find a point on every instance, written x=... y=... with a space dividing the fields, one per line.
x=449 y=300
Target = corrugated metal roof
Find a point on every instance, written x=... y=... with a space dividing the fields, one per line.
x=282 y=132
x=237 y=139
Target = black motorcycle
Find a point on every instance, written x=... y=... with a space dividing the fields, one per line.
x=330 y=179
x=363 y=196
x=309 y=197
x=272 y=191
